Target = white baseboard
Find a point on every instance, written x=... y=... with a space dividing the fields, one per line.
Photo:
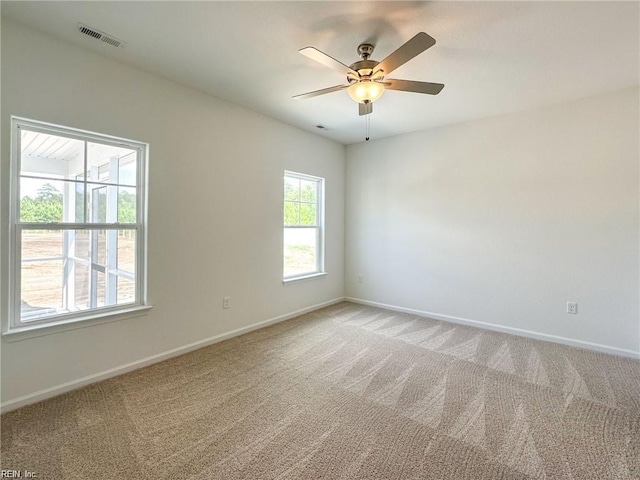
x=113 y=372
x=500 y=328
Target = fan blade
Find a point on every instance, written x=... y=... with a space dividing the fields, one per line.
x=406 y=52
x=326 y=60
x=411 y=86
x=320 y=92
x=365 y=108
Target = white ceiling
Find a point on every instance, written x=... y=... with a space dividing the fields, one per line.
x=493 y=57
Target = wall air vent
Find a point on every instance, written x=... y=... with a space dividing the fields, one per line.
x=98 y=35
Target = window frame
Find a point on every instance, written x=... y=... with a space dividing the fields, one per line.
x=320 y=226
x=14 y=323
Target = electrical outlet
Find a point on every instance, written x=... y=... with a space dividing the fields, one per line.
x=360 y=278
x=572 y=308
x=226 y=302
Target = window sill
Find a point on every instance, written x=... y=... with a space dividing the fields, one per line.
x=288 y=281
x=17 y=334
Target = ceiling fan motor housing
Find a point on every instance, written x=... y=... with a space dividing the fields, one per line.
x=364 y=69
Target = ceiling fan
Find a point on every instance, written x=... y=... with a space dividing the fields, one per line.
x=366 y=77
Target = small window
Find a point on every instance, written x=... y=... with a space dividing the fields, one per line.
x=78 y=224
x=303 y=225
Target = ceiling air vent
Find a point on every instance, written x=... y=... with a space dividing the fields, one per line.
x=98 y=35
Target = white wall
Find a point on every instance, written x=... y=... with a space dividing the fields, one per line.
x=504 y=220
x=215 y=207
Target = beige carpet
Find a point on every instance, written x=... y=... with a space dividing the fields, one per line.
x=346 y=392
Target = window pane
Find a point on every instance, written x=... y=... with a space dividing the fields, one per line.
x=80 y=244
x=98 y=204
x=128 y=165
x=300 y=251
x=50 y=201
x=291 y=213
x=126 y=205
x=308 y=191
x=112 y=265
x=111 y=204
x=68 y=271
x=42 y=244
x=78 y=263
x=106 y=163
x=291 y=189
x=98 y=292
x=99 y=247
x=308 y=214
x=126 y=262
x=42 y=154
x=81 y=283
x=126 y=291
x=126 y=271
x=79 y=202
x=41 y=289
x=42 y=273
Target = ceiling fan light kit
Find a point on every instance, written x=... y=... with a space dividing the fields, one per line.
x=366 y=78
x=365 y=91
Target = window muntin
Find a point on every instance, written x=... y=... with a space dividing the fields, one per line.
x=77 y=243
x=303 y=225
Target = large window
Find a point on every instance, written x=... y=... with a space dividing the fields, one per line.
x=303 y=225
x=77 y=225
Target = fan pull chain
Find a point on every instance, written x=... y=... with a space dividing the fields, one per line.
x=367 y=123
